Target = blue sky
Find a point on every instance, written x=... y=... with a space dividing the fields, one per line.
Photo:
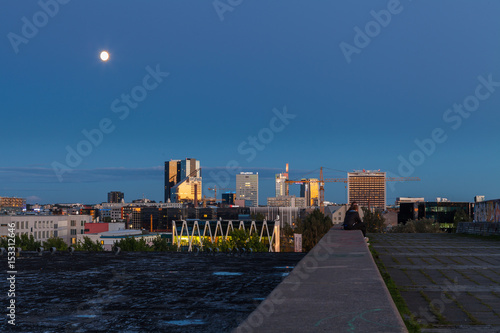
x=351 y=100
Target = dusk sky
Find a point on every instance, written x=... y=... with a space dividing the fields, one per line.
x=411 y=88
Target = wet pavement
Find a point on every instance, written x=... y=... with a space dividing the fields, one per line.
x=449 y=282
x=140 y=292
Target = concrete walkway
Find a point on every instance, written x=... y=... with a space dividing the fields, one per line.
x=335 y=288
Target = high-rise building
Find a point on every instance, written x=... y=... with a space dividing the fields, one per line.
x=188 y=190
x=281 y=185
x=367 y=189
x=309 y=189
x=247 y=187
x=228 y=198
x=190 y=167
x=178 y=170
x=115 y=197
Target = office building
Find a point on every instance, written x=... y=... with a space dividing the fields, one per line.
x=287 y=201
x=309 y=189
x=115 y=197
x=43 y=227
x=186 y=191
x=367 y=189
x=400 y=200
x=247 y=187
x=177 y=170
x=281 y=185
x=487 y=211
x=12 y=204
x=228 y=198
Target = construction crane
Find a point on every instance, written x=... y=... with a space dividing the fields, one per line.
x=220 y=189
x=323 y=180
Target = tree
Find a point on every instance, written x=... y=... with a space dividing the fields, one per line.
x=313 y=228
x=287 y=230
x=418 y=226
x=56 y=242
x=374 y=221
x=461 y=216
x=88 y=245
x=132 y=244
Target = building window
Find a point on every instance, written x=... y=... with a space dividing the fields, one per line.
x=73 y=232
x=35 y=224
x=55 y=233
x=22 y=224
x=81 y=231
x=73 y=223
x=82 y=223
x=56 y=226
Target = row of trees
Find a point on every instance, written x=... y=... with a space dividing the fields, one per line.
x=240 y=239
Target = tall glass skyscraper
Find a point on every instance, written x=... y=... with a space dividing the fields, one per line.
x=247 y=187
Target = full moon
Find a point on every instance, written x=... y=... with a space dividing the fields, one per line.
x=104 y=56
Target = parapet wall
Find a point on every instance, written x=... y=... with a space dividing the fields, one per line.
x=336 y=287
x=479 y=228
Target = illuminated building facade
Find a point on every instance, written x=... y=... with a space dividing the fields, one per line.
x=281 y=185
x=309 y=190
x=367 y=189
x=188 y=190
x=177 y=170
x=247 y=187
x=6 y=202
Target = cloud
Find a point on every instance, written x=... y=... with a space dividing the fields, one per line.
x=36 y=174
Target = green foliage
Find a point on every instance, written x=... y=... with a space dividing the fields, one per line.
x=418 y=226
x=133 y=244
x=88 y=245
x=461 y=216
x=374 y=221
x=56 y=242
x=25 y=242
x=313 y=228
x=287 y=230
x=161 y=244
x=237 y=238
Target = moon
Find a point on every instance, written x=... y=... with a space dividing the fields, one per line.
x=104 y=56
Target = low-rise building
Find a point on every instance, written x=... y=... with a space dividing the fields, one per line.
x=43 y=227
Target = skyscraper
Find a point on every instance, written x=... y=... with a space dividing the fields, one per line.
x=172 y=176
x=247 y=187
x=115 y=197
x=178 y=170
x=367 y=188
x=281 y=186
x=309 y=190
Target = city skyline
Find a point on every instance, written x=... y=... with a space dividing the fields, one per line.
x=407 y=87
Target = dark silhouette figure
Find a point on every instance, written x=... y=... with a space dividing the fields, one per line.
x=352 y=220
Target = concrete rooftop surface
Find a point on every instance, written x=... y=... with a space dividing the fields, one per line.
x=450 y=282
x=140 y=291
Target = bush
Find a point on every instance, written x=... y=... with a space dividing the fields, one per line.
x=313 y=228
x=56 y=242
x=374 y=221
x=132 y=244
x=417 y=226
x=88 y=245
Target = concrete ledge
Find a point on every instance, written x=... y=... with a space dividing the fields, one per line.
x=335 y=288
